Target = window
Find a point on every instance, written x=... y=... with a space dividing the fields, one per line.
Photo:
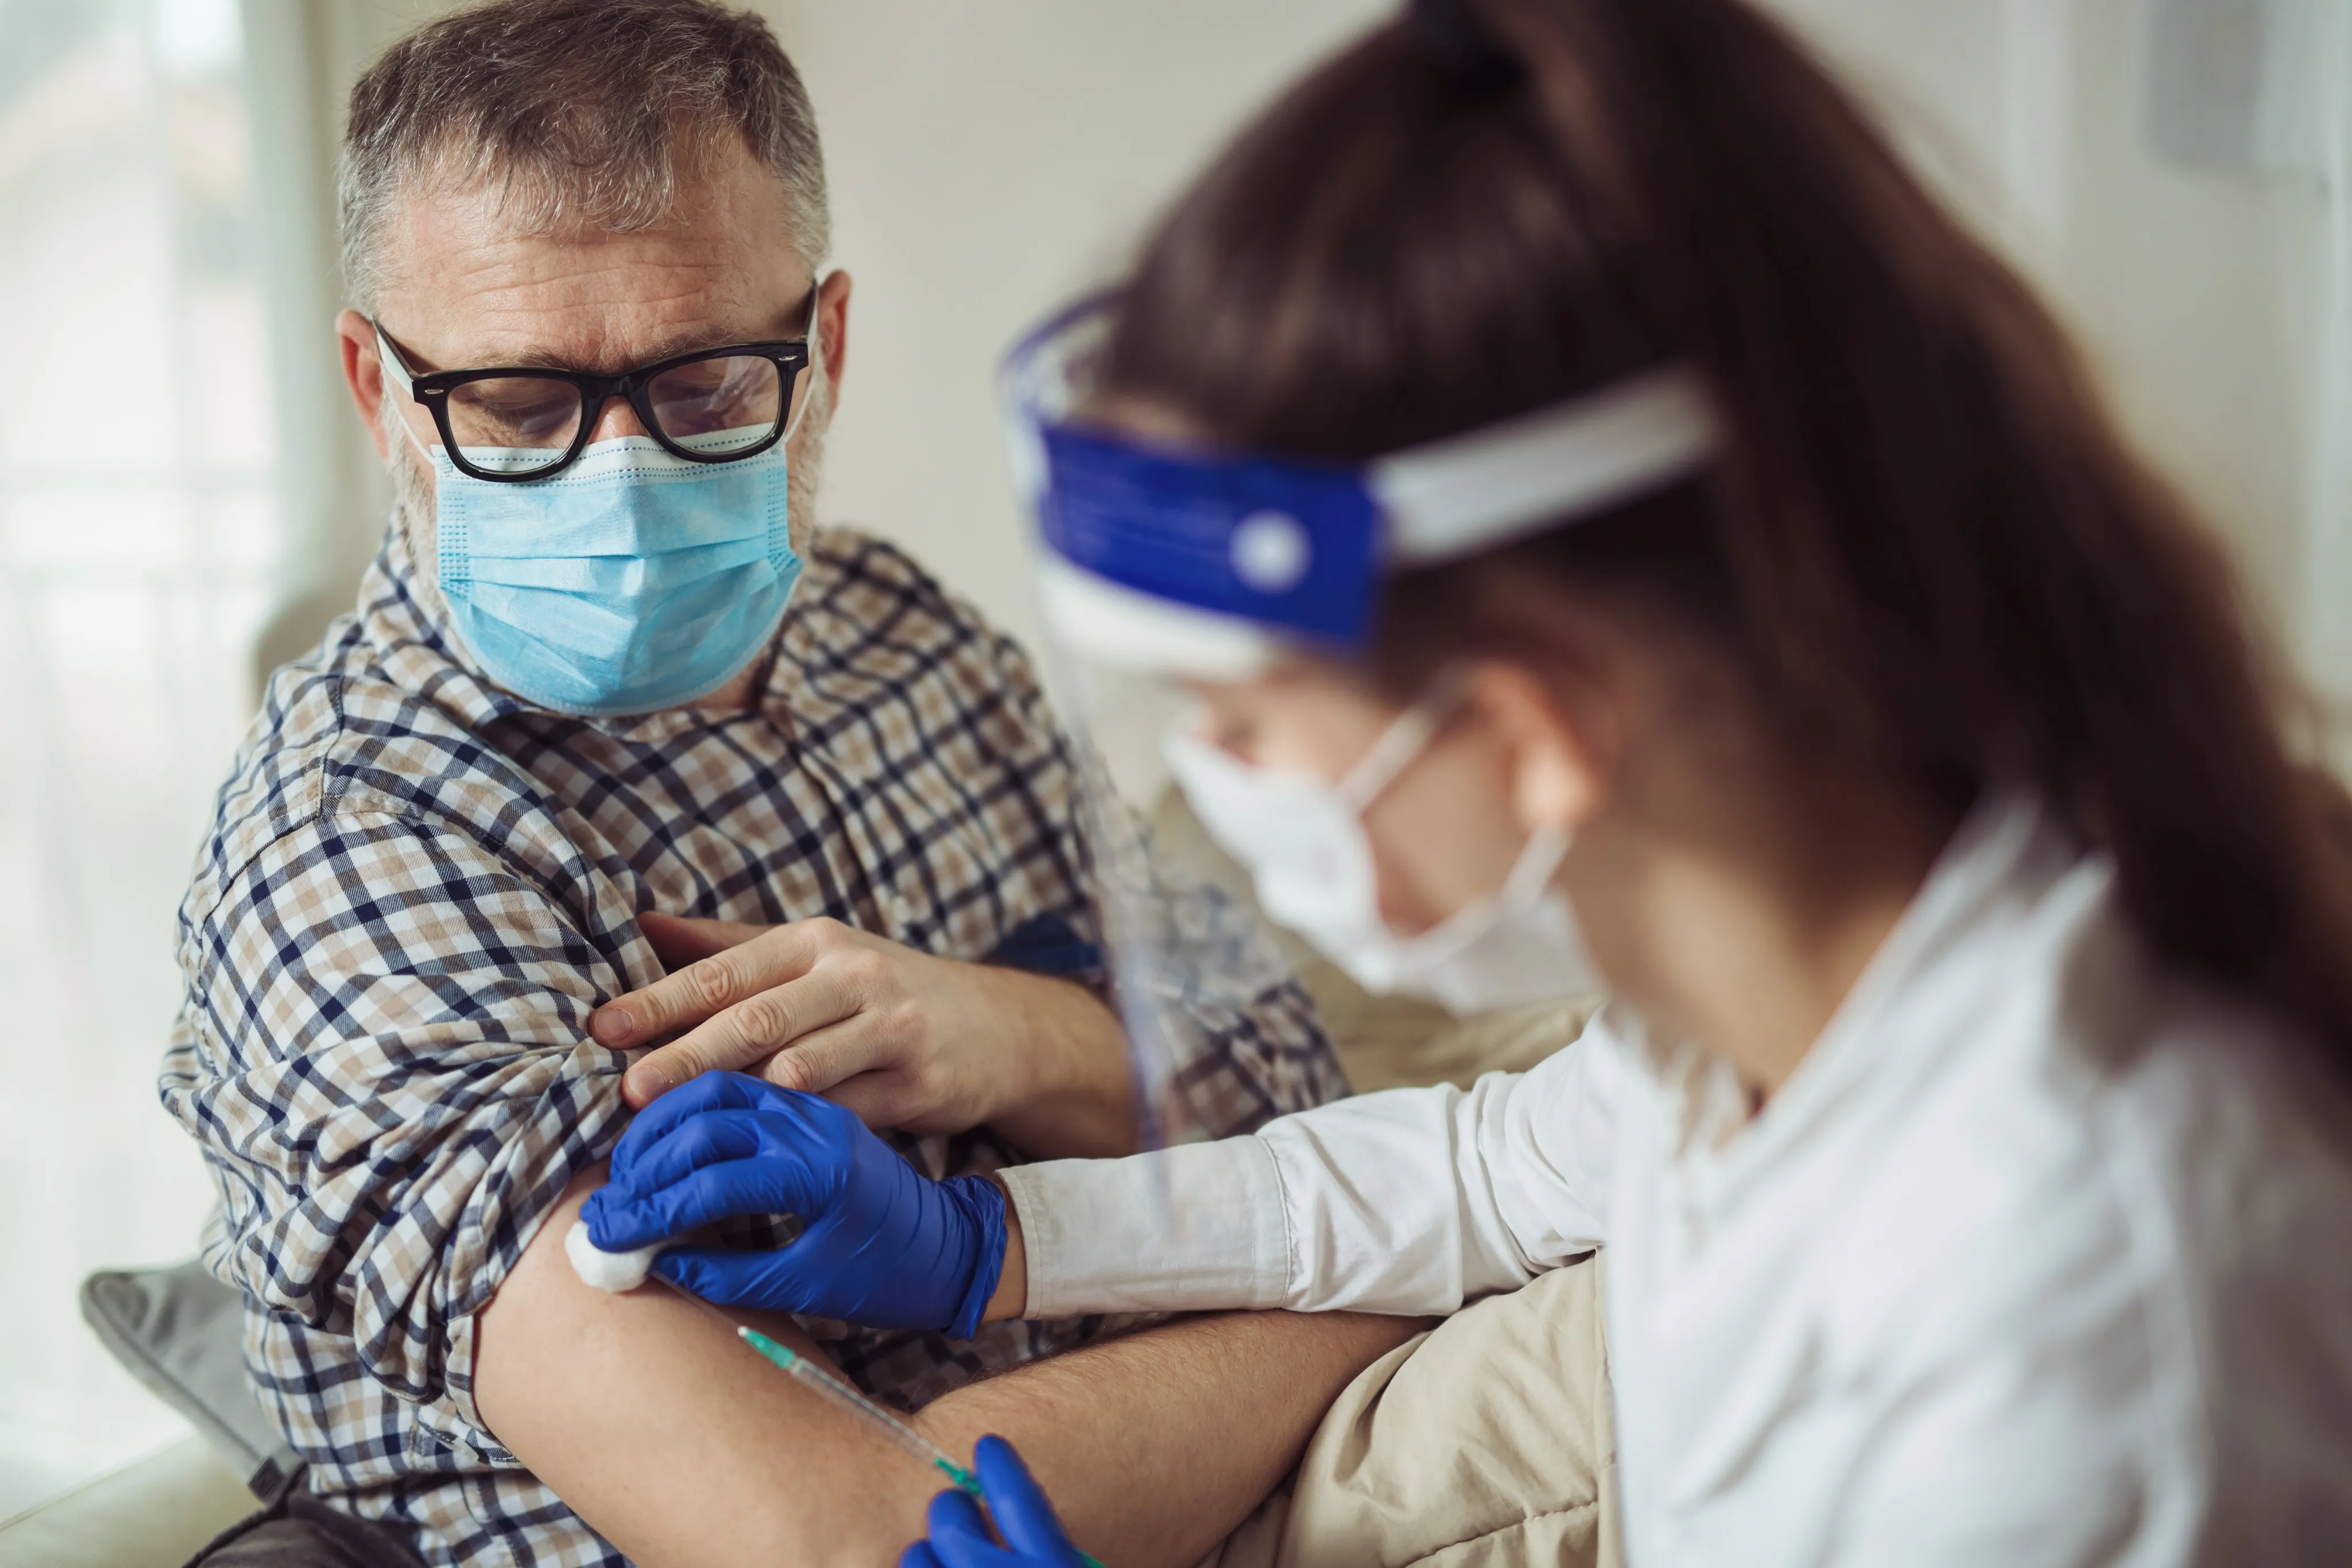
x=139 y=542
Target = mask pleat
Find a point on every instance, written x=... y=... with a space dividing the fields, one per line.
x=632 y=581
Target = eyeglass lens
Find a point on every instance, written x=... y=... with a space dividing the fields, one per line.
x=520 y=424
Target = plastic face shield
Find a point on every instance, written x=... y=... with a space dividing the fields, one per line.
x=1219 y=1033
x=1163 y=568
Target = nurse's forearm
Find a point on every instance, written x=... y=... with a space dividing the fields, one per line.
x=1192 y=1228
x=1155 y=1445
x=1409 y=1201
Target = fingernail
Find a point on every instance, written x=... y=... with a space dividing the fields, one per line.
x=645 y=1083
x=611 y=1024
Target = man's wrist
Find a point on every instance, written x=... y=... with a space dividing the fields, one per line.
x=1064 y=1090
x=1017 y=1007
x=1011 y=1297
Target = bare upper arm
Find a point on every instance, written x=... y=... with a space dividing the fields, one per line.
x=680 y=1445
x=671 y=1437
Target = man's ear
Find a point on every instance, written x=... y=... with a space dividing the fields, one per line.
x=1561 y=746
x=832 y=329
x=364 y=375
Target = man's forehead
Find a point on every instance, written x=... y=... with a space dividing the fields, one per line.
x=468 y=286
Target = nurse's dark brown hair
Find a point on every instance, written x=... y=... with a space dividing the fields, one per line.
x=1925 y=548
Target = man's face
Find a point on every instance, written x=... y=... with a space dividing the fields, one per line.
x=466 y=288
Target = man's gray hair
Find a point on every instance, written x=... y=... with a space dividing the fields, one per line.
x=575 y=110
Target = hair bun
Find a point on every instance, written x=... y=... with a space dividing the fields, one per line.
x=1463 y=46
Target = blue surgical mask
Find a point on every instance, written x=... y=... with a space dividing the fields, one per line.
x=635 y=579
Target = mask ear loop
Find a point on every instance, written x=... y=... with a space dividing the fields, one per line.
x=1531 y=874
x=388 y=358
x=1405 y=739
x=816 y=360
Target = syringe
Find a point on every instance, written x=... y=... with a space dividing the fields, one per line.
x=865 y=1409
x=874 y=1415
x=902 y=1437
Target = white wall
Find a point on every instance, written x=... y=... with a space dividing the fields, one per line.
x=989 y=159
x=2212 y=297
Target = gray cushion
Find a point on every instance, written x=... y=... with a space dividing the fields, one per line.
x=181 y=1332
x=299 y=1530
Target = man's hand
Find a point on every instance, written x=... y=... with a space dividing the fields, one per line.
x=904 y=1039
x=880 y=1244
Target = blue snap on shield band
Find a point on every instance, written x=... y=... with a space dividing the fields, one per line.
x=1285 y=544
x=1163 y=556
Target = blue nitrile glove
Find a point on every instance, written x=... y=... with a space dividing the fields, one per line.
x=1033 y=1538
x=881 y=1244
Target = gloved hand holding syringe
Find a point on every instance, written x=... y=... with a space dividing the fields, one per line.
x=881 y=1245
x=1022 y=1515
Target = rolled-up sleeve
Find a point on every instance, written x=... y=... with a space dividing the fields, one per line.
x=1414 y=1200
x=385 y=1057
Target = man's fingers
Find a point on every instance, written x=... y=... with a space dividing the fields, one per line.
x=819 y=1059
x=745 y=1034
x=880 y=1100
x=715 y=982
x=678 y=939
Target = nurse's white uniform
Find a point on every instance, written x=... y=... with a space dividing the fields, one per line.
x=2039 y=1258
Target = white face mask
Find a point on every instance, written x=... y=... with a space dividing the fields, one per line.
x=1303 y=843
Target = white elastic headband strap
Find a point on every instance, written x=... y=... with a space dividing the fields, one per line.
x=1468 y=493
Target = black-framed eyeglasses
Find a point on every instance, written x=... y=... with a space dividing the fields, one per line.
x=713 y=405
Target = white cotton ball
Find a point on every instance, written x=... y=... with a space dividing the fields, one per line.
x=606 y=1271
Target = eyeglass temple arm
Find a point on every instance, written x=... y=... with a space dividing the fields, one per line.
x=402 y=377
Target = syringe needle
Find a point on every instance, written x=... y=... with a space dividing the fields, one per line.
x=883 y=1421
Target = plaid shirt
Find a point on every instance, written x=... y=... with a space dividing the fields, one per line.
x=417 y=888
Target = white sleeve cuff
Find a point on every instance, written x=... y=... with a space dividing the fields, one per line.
x=1197 y=1227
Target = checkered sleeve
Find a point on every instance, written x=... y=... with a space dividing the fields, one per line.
x=388 y=1066
x=1224 y=1037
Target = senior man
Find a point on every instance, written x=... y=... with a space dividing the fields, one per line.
x=604 y=667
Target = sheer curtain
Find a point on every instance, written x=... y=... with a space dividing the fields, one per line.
x=140 y=540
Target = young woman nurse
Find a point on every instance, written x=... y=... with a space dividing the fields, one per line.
x=1697 y=566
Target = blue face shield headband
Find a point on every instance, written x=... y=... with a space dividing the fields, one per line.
x=1210 y=563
